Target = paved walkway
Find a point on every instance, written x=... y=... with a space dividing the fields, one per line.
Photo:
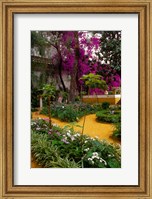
x=91 y=127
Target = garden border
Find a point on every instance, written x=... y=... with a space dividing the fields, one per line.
x=144 y=11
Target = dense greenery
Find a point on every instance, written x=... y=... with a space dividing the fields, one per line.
x=64 y=148
x=37 y=40
x=111 y=48
x=108 y=116
x=49 y=92
x=105 y=105
x=117 y=131
x=72 y=112
x=94 y=81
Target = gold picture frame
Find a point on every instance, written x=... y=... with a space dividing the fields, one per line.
x=144 y=11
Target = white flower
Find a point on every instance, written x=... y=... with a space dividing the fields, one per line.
x=38 y=128
x=86 y=149
x=91 y=160
x=72 y=138
x=105 y=162
x=95 y=154
x=68 y=134
x=65 y=141
x=77 y=135
x=85 y=141
x=102 y=160
x=62 y=106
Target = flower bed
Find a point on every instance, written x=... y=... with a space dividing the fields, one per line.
x=108 y=116
x=71 y=112
x=64 y=148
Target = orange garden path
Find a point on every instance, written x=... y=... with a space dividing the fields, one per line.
x=91 y=128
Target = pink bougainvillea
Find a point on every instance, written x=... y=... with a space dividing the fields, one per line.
x=87 y=56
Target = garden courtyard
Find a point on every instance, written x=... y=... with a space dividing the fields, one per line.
x=76 y=99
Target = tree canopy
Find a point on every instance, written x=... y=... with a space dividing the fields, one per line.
x=82 y=52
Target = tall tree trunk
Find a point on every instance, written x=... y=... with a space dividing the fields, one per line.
x=60 y=75
x=73 y=83
x=60 y=66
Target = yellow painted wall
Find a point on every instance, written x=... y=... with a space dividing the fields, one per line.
x=111 y=100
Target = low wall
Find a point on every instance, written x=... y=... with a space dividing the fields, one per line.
x=112 y=99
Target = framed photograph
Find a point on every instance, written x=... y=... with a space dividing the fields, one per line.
x=75 y=99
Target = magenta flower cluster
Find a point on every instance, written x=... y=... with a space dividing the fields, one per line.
x=88 y=49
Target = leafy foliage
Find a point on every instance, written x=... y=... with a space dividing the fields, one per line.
x=64 y=148
x=105 y=105
x=48 y=155
x=72 y=112
x=39 y=41
x=117 y=131
x=49 y=91
x=109 y=116
x=111 y=48
x=94 y=81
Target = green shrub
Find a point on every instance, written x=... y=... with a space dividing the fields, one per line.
x=110 y=92
x=68 y=114
x=63 y=112
x=105 y=105
x=72 y=112
x=115 y=107
x=117 y=131
x=107 y=116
